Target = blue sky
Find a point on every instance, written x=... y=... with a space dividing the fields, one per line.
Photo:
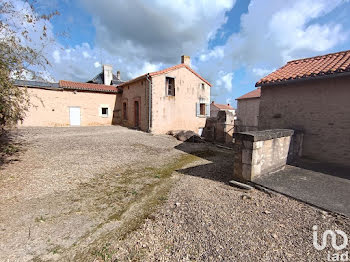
x=231 y=43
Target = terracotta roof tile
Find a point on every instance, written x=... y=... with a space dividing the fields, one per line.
x=166 y=70
x=253 y=94
x=223 y=106
x=310 y=67
x=88 y=87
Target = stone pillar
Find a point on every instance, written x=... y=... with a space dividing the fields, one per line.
x=260 y=152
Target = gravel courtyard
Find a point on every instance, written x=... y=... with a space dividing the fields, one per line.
x=114 y=194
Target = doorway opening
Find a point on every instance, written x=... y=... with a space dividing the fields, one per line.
x=136 y=114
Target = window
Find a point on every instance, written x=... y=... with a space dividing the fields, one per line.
x=203 y=86
x=104 y=111
x=170 y=86
x=125 y=113
x=202 y=109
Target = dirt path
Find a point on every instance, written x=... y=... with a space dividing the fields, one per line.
x=69 y=186
x=204 y=219
x=101 y=194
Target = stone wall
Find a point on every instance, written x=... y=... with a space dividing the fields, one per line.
x=137 y=91
x=247 y=115
x=319 y=108
x=258 y=153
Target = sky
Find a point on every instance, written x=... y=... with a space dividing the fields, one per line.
x=232 y=43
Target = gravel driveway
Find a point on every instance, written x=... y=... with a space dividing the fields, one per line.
x=91 y=194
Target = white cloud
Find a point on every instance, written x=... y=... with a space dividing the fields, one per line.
x=157 y=31
x=86 y=54
x=97 y=64
x=224 y=81
x=146 y=68
x=261 y=72
x=273 y=32
x=217 y=52
x=56 y=56
x=285 y=31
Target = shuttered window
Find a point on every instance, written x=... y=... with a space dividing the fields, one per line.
x=202 y=109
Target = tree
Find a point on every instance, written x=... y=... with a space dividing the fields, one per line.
x=23 y=35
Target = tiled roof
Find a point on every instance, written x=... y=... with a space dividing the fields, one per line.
x=253 y=94
x=307 y=68
x=166 y=71
x=223 y=106
x=87 y=87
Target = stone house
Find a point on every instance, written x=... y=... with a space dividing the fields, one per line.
x=248 y=111
x=69 y=103
x=171 y=99
x=311 y=95
x=215 y=108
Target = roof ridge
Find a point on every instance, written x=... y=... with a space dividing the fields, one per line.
x=92 y=84
x=318 y=56
x=165 y=70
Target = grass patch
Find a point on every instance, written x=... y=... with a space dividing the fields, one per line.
x=9 y=149
x=139 y=192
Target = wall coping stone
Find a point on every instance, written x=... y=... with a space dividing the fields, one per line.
x=263 y=135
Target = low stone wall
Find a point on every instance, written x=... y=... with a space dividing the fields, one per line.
x=260 y=152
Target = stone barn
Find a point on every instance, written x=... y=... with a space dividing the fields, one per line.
x=311 y=95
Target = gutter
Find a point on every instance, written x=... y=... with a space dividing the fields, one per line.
x=330 y=76
x=149 y=103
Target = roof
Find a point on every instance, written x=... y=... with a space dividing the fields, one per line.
x=87 y=87
x=308 y=68
x=99 y=79
x=253 y=94
x=223 y=106
x=36 y=83
x=164 y=71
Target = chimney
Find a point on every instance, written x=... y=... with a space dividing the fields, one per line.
x=107 y=74
x=118 y=75
x=185 y=59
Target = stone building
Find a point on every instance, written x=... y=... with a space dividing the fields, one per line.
x=312 y=96
x=69 y=103
x=248 y=111
x=215 y=108
x=171 y=99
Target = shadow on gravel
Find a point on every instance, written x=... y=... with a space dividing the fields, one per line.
x=220 y=167
x=10 y=147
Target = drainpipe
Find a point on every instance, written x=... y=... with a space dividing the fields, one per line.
x=149 y=103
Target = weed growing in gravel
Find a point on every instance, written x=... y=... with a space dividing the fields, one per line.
x=40 y=219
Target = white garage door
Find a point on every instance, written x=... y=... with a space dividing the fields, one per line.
x=74 y=116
